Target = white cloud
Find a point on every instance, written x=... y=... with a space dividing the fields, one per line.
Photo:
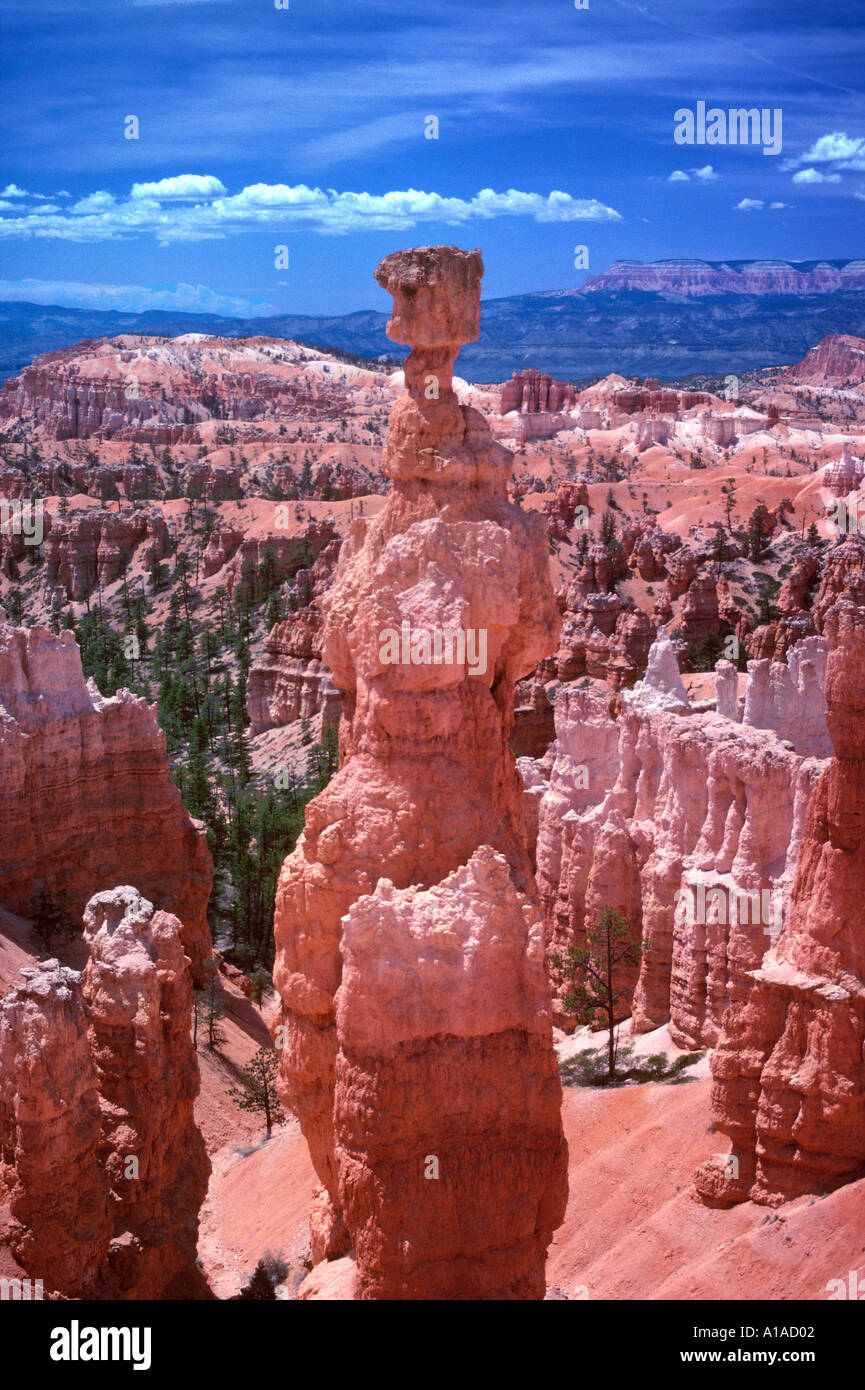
x=94 y=202
x=750 y=205
x=773 y=207
x=131 y=298
x=13 y=191
x=815 y=176
x=182 y=186
x=163 y=213
x=830 y=148
x=704 y=175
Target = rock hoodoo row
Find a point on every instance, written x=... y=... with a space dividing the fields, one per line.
x=101 y=1162
x=414 y=1004
x=789 y=1069
x=685 y=822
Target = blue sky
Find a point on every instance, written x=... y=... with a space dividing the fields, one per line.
x=305 y=128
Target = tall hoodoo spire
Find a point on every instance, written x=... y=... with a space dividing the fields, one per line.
x=415 y=1013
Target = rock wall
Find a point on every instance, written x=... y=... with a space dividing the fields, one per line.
x=88 y=796
x=289 y=680
x=424 y=819
x=100 y=1158
x=788 y=1075
x=92 y=549
x=668 y=816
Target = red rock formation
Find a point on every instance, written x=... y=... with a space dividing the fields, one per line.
x=159 y=390
x=681 y=568
x=603 y=635
x=289 y=680
x=788 y=697
x=648 y=551
x=628 y=652
x=654 y=804
x=845 y=475
x=100 y=1158
x=88 y=793
x=843 y=576
x=731 y=615
x=699 y=612
x=561 y=508
x=789 y=1083
x=422 y=1038
x=221 y=547
x=531 y=391
x=49 y=1133
x=138 y=988
x=93 y=548
x=534 y=729
x=289 y=553
x=428 y=796
x=837 y=360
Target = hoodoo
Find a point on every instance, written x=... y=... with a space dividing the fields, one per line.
x=415 y=1013
x=101 y=1162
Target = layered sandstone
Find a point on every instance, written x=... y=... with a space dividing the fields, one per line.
x=444 y=1059
x=837 y=360
x=287 y=554
x=692 y=277
x=88 y=797
x=422 y=824
x=845 y=475
x=162 y=390
x=788 y=1078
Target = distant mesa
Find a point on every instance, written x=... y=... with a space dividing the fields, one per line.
x=731 y=277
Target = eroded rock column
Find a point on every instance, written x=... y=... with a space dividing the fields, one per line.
x=49 y=1132
x=139 y=992
x=389 y=853
x=101 y=1162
